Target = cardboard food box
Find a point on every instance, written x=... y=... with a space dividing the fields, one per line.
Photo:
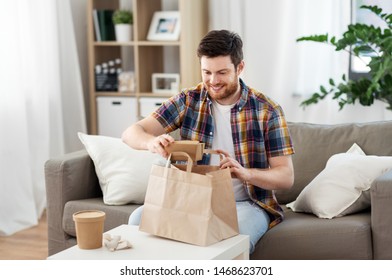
x=194 y=149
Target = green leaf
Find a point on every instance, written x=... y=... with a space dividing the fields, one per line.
x=374 y=9
x=341 y=105
x=315 y=38
x=363 y=49
x=323 y=90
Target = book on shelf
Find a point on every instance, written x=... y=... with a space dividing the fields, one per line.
x=96 y=26
x=106 y=25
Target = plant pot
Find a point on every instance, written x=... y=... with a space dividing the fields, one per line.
x=123 y=32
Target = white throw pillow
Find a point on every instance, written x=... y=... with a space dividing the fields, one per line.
x=343 y=186
x=122 y=171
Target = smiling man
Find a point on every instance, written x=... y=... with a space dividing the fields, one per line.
x=228 y=116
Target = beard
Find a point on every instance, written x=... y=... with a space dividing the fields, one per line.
x=223 y=91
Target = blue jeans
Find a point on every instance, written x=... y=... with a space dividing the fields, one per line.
x=252 y=221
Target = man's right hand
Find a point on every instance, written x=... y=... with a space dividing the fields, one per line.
x=159 y=143
x=147 y=134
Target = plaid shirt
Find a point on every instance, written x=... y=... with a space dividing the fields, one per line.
x=259 y=131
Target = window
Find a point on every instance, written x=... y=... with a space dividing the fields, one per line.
x=358 y=66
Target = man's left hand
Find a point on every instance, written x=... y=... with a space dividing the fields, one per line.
x=236 y=169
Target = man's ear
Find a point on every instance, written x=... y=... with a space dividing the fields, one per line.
x=240 y=67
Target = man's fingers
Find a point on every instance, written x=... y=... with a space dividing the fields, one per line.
x=226 y=154
x=165 y=139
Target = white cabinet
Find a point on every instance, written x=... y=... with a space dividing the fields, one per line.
x=115 y=114
x=149 y=105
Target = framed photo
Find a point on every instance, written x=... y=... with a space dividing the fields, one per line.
x=165 y=26
x=165 y=83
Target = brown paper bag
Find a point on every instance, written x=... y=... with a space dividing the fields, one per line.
x=190 y=207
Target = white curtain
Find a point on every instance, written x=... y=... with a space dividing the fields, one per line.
x=41 y=107
x=290 y=71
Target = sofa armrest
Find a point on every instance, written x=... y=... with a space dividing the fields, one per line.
x=69 y=177
x=381 y=208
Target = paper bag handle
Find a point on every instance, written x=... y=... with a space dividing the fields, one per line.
x=208 y=151
x=189 y=160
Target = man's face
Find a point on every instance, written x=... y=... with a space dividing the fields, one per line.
x=221 y=78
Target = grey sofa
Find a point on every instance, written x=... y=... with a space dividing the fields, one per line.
x=72 y=185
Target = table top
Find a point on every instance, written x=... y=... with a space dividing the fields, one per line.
x=150 y=247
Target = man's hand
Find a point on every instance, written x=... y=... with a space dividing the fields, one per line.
x=279 y=175
x=236 y=169
x=147 y=134
x=159 y=143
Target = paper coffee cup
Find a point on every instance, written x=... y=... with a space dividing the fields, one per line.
x=89 y=228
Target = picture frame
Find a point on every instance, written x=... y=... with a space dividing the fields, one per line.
x=166 y=83
x=165 y=26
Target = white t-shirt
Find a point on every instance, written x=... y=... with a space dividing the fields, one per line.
x=223 y=140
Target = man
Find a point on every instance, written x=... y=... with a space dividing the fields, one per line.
x=237 y=121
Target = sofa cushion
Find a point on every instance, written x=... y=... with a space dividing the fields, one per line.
x=122 y=171
x=116 y=215
x=315 y=143
x=337 y=189
x=303 y=236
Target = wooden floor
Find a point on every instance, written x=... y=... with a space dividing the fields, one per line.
x=28 y=244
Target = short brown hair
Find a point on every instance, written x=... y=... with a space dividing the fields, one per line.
x=221 y=43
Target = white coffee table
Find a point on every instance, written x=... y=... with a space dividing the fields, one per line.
x=150 y=247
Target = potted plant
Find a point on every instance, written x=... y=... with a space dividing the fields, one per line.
x=123 y=20
x=361 y=38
